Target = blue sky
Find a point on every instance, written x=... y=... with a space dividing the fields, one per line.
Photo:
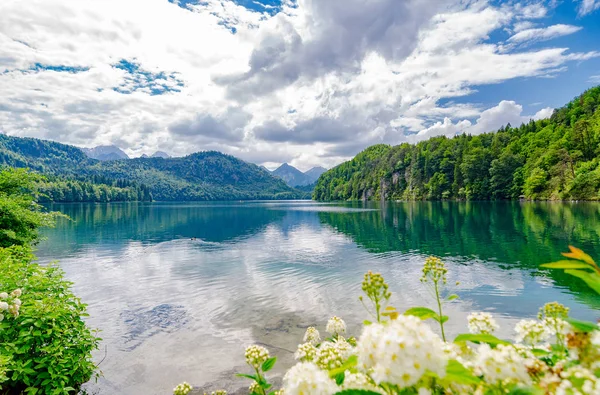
x=308 y=82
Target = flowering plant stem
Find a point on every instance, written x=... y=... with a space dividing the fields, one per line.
x=441 y=315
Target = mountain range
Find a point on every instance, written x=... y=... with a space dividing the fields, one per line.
x=112 y=152
x=295 y=178
x=206 y=175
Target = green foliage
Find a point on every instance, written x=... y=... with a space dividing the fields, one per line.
x=20 y=214
x=92 y=189
x=552 y=159
x=201 y=176
x=48 y=346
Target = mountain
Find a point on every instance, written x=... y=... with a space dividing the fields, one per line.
x=314 y=173
x=105 y=152
x=201 y=176
x=292 y=176
x=160 y=154
x=144 y=156
x=549 y=159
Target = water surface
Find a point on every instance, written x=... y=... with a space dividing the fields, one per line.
x=179 y=289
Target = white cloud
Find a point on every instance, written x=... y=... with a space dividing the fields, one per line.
x=588 y=6
x=506 y=112
x=594 y=79
x=311 y=85
x=543 y=34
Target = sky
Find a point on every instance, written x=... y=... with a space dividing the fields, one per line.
x=307 y=82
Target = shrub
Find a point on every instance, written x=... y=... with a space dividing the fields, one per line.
x=20 y=214
x=45 y=346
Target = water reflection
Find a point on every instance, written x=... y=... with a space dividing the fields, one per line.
x=174 y=308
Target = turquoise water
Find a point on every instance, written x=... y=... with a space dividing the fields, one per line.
x=178 y=290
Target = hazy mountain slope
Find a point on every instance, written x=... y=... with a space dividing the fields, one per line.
x=314 y=173
x=292 y=176
x=105 y=152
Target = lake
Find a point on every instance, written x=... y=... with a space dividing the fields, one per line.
x=179 y=289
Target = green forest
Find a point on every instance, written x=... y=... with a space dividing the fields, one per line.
x=549 y=159
x=73 y=177
x=94 y=189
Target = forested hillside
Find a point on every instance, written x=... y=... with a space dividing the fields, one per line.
x=550 y=159
x=92 y=189
x=200 y=176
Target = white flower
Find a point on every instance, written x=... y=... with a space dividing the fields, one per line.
x=1 y=317
x=595 y=339
x=578 y=380
x=531 y=332
x=3 y=295
x=306 y=352
x=424 y=391
x=336 y=326
x=17 y=302
x=312 y=335
x=182 y=389
x=3 y=306
x=401 y=351
x=500 y=364
x=254 y=388
x=482 y=323
x=256 y=356
x=306 y=378
x=556 y=326
x=359 y=381
x=16 y=293
x=329 y=356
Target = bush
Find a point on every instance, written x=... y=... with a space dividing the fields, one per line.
x=20 y=214
x=45 y=346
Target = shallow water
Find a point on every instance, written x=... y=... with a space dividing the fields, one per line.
x=179 y=289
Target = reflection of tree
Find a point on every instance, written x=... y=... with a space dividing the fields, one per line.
x=518 y=235
x=154 y=223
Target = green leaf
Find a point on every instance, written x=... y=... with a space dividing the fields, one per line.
x=591 y=279
x=525 y=391
x=357 y=392
x=452 y=297
x=422 y=312
x=367 y=322
x=349 y=364
x=339 y=378
x=268 y=364
x=489 y=339
x=583 y=326
x=445 y=319
x=457 y=373
x=248 y=376
x=565 y=264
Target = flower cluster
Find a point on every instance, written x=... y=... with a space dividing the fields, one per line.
x=401 y=351
x=306 y=352
x=435 y=270
x=482 y=323
x=312 y=335
x=256 y=356
x=375 y=287
x=182 y=389
x=307 y=378
x=10 y=303
x=532 y=332
x=336 y=326
x=501 y=364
